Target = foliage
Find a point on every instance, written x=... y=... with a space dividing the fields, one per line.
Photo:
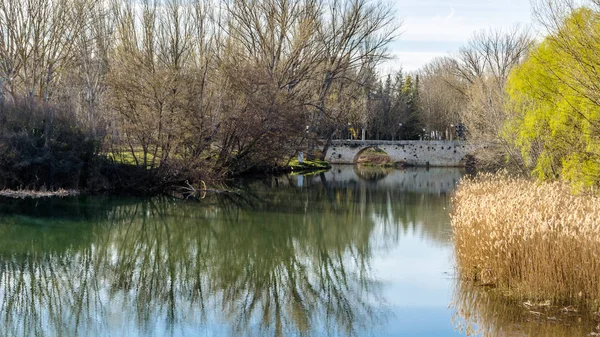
x=308 y=165
x=555 y=102
x=392 y=108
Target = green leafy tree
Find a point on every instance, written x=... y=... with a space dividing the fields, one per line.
x=393 y=109
x=555 y=100
x=409 y=97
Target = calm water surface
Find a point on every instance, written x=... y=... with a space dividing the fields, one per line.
x=351 y=252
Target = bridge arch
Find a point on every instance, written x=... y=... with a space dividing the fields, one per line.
x=373 y=154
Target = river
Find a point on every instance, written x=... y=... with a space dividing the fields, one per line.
x=350 y=252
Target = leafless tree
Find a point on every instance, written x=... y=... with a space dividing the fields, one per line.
x=184 y=86
x=485 y=64
x=355 y=34
x=442 y=96
x=36 y=44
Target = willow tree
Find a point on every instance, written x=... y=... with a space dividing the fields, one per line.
x=555 y=98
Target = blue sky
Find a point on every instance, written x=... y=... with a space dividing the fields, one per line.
x=432 y=28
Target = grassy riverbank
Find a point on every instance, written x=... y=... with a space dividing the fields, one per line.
x=308 y=166
x=532 y=240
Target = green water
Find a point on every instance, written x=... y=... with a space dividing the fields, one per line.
x=352 y=252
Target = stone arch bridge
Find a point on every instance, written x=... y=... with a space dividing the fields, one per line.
x=410 y=152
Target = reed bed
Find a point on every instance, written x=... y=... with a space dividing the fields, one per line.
x=535 y=241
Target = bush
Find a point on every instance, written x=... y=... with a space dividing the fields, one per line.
x=42 y=146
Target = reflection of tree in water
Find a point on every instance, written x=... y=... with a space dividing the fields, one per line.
x=46 y=267
x=415 y=201
x=397 y=212
x=485 y=312
x=269 y=261
x=165 y=259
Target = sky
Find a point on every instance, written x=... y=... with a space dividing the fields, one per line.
x=432 y=28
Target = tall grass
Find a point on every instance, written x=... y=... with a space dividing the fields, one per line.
x=532 y=240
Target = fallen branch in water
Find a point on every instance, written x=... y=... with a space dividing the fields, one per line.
x=191 y=192
x=24 y=194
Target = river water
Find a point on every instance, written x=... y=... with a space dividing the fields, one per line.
x=350 y=252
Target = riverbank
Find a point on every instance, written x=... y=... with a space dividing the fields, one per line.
x=123 y=179
x=533 y=241
x=307 y=166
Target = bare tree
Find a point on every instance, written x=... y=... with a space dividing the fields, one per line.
x=36 y=44
x=180 y=86
x=86 y=82
x=485 y=64
x=356 y=34
x=442 y=96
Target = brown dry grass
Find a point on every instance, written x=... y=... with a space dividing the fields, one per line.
x=533 y=240
x=24 y=194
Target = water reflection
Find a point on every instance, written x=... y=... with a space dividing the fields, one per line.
x=281 y=258
x=486 y=312
x=432 y=181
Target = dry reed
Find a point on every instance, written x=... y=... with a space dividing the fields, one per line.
x=533 y=240
x=24 y=194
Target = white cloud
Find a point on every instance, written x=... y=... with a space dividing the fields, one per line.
x=433 y=28
x=408 y=61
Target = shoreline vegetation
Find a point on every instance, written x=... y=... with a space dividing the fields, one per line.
x=532 y=241
x=36 y=194
x=183 y=190
x=139 y=97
